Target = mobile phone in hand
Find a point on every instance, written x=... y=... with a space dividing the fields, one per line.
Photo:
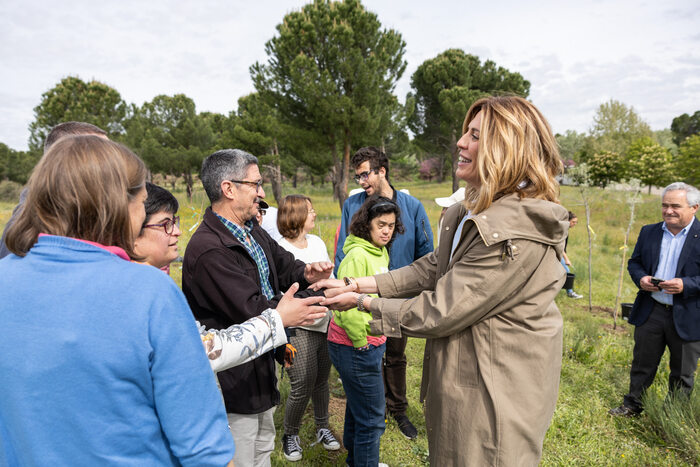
x=655 y=281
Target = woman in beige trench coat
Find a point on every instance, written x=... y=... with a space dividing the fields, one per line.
x=485 y=299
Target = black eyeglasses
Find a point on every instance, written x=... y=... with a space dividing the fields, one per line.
x=262 y=211
x=258 y=185
x=364 y=175
x=167 y=225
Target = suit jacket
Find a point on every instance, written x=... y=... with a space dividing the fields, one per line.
x=644 y=262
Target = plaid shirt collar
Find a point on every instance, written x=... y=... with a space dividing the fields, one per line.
x=243 y=235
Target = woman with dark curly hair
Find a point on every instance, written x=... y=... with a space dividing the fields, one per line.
x=355 y=354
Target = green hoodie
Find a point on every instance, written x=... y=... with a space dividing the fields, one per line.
x=362 y=258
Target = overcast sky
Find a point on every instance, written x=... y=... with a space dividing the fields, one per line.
x=575 y=54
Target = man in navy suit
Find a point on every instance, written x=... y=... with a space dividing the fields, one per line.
x=665 y=266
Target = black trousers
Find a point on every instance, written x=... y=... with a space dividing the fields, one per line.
x=650 y=341
x=395 y=375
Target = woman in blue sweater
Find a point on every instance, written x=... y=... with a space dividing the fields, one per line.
x=102 y=363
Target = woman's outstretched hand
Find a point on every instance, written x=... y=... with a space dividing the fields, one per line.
x=341 y=301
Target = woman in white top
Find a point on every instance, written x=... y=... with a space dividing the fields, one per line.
x=308 y=376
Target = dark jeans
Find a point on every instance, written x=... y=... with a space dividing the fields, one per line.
x=650 y=341
x=395 y=375
x=361 y=373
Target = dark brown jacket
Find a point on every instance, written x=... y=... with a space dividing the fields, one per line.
x=222 y=285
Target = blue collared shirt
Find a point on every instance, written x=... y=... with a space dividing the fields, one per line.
x=242 y=234
x=671 y=247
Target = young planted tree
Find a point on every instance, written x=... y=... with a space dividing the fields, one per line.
x=444 y=88
x=331 y=70
x=633 y=198
x=581 y=177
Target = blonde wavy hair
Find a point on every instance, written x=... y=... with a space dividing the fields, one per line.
x=80 y=188
x=516 y=145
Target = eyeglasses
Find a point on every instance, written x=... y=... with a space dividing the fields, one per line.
x=262 y=211
x=364 y=175
x=168 y=225
x=258 y=185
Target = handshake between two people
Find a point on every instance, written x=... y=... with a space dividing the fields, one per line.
x=337 y=294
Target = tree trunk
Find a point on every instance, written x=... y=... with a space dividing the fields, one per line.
x=188 y=181
x=295 y=179
x=275 y=174
x=632 y=203
x=440 y=176
x=590 y=249
x=455 y=158
x=340 y=171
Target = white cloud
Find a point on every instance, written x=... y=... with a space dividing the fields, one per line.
x=576 y=55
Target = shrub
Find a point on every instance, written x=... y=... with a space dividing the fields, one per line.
x=9 y=191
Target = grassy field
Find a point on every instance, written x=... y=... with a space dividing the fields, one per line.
x=596 y=357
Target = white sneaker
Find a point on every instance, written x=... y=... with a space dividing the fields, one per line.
x=325 y=437
x=574 y=295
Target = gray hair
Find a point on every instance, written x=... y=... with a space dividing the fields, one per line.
x=226 y=164
x=692 y=194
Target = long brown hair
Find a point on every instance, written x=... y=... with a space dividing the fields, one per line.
x=80 y=188
x=517 y=152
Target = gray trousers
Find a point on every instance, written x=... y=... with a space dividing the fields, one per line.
x=308 y=378
x=254 y=435
x=650 y=342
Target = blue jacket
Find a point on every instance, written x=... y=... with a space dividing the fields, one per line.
x=102 y=363
x=415 y=242
x=644 y=261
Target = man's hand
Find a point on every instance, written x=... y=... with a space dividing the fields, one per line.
x=645 y=284
x=342 y=302
x=314 y=272
x=672 y=286
x=299 y=311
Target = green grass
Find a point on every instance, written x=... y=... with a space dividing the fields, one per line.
x=596 y=360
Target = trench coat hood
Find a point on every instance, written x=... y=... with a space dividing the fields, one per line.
x=527 y=218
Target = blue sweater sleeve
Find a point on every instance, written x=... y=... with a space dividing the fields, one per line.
x=187 y=400
x=342 y=235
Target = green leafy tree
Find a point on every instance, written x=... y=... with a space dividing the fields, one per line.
x=649 y=162
x=16 y=166
x=331 y=70
x=605 y=167
x=616 y=126
x=571 y=145
x=684 y=126
x=444 y=87
x=665 y=139
x=170 y=136
x=72 y=99
x=279 y=146
x=686 y=163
